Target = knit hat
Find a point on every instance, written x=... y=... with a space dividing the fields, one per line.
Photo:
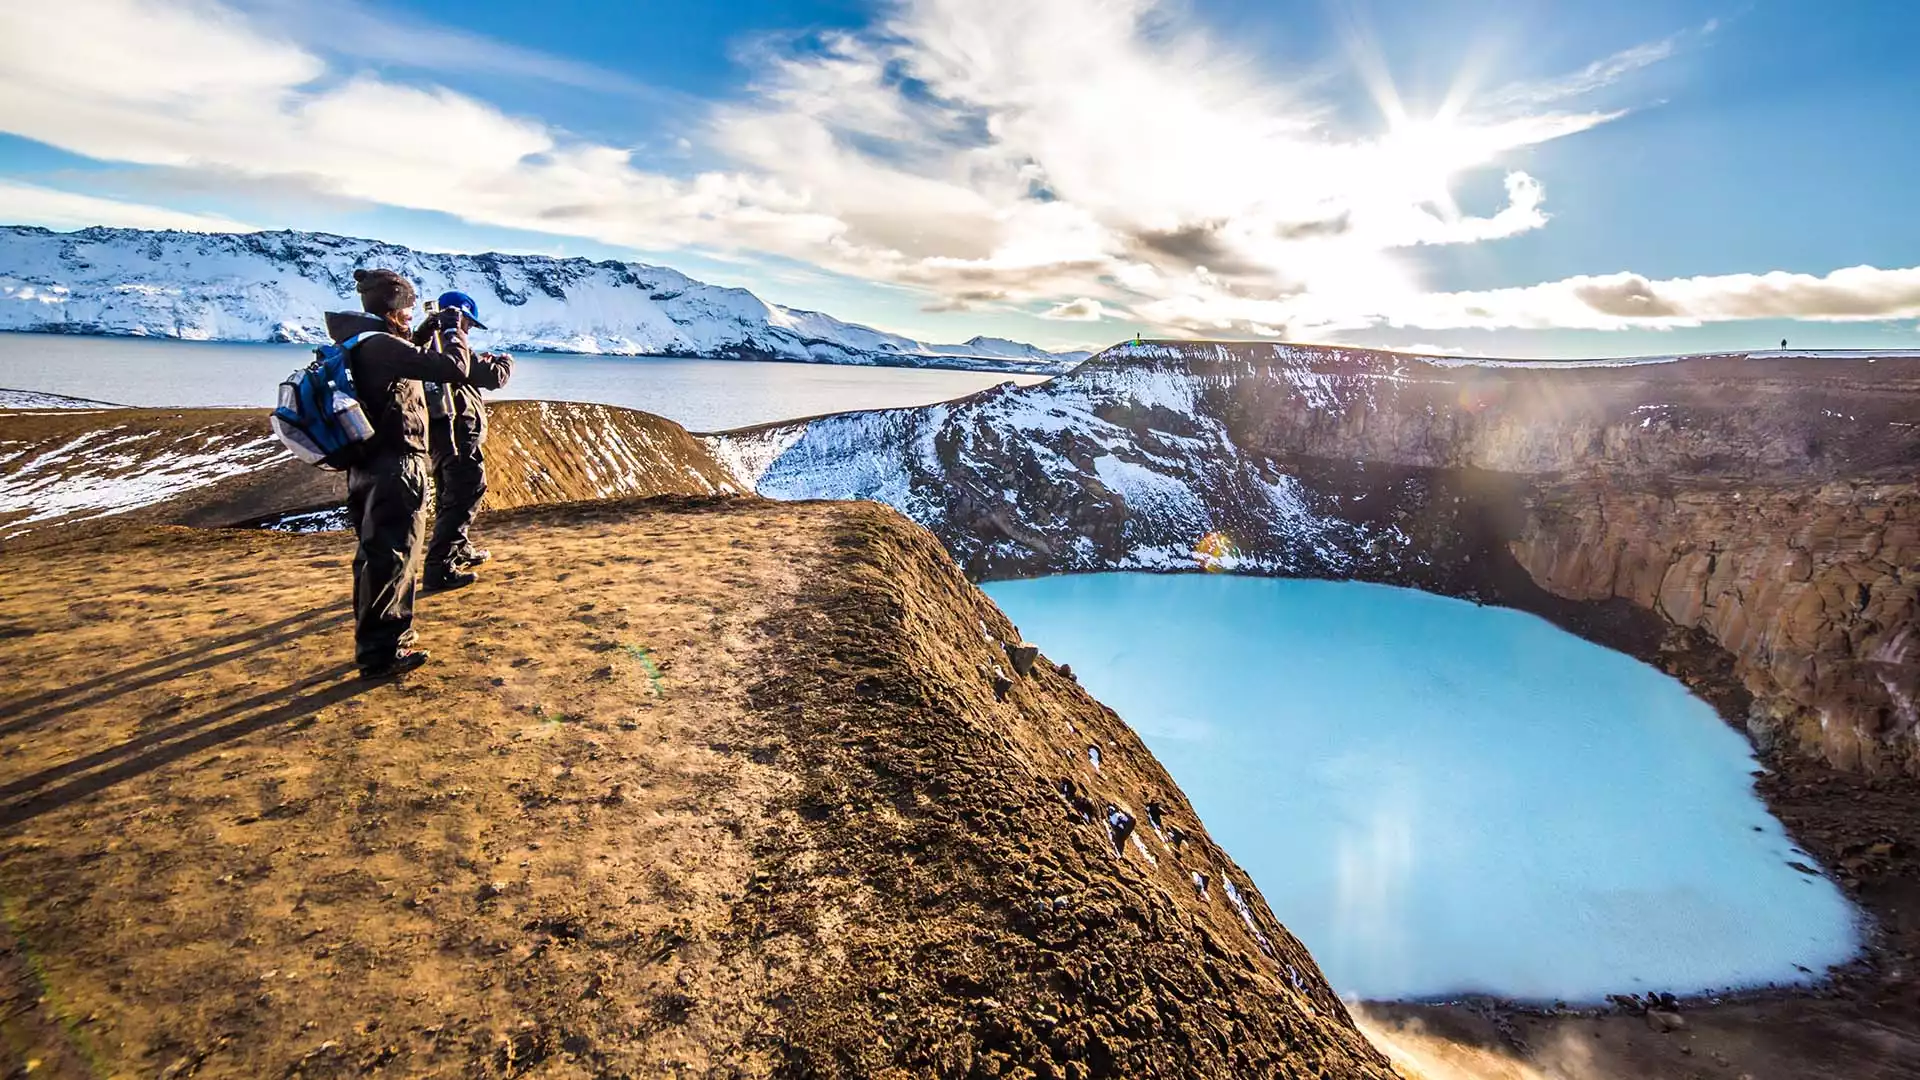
x=383 y=291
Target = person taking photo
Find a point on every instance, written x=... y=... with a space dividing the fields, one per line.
x=456 y=435
x=387 y=485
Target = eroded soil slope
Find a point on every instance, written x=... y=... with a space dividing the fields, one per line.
x=692 y=789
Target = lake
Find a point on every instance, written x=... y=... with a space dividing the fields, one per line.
x=1440 y=798
x=702 y=395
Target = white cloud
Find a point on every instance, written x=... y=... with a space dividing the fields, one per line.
x=1090 y=155
x=29 y=204
x=1596 y=76
x=199 y=86
x=1619 y=301
x=1082 y=309
x=997 y=150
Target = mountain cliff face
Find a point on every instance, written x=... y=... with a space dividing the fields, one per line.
x=1750 y=521
x=273 y=286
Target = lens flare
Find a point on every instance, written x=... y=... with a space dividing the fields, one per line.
x=1216 y=553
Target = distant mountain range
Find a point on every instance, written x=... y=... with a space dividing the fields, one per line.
x=274 y=286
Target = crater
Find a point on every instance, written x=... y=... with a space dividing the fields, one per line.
x=1442 y=798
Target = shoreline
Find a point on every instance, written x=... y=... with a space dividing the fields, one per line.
x=952 y=363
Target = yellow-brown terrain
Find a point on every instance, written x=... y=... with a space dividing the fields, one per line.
x=692 y=788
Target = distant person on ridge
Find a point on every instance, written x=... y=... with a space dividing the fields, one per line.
x=456 y=430
x=387 y=488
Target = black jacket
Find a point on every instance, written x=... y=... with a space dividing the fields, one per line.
x=387 y=371
x=456 y=415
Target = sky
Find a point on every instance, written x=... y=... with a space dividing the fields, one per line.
x=1497 y=177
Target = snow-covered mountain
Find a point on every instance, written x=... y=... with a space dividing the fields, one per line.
x=274 y=286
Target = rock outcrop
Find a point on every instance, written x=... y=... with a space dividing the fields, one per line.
x=1751 y=521
x=712 y=787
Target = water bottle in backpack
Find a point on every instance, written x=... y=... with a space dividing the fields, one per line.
x=319 y=417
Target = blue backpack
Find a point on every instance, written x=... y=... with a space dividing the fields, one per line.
x=319 y=417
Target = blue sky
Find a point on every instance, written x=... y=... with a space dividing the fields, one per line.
x=1531 y=177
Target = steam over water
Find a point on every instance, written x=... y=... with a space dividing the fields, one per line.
x=1441 y=798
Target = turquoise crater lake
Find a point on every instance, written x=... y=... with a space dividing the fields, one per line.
x=1440 y=798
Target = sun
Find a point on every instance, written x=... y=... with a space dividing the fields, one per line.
x=1422 y=157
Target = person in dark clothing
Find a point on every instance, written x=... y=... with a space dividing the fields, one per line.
x=456 y=434
x=387 y=487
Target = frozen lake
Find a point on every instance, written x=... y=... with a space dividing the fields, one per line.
x=1441 y=798
x=702 y=395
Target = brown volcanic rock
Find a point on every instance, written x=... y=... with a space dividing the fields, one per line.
x=1814 y=592
x=691 y=788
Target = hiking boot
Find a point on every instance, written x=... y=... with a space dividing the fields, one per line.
x=442 y=578
x=471 y=557
x=401 y=662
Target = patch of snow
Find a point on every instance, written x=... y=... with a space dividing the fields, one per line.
x=116 y=470
x=312 y=521
x=35 y=399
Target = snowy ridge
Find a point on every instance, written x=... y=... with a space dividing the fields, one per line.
x=37 y=399
x=116 y=469
x=221 y=467
x=275 y=286
x=1111 y=466
x=868 y=455
x=1394 y=363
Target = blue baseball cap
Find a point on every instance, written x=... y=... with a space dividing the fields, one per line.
x=462 y=302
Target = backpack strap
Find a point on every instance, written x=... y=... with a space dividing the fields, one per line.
x=360 y=337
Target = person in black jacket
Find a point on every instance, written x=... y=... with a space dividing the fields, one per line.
x=387 y=488
x=456 y=434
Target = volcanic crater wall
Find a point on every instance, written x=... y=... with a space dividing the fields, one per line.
x=1750 y=522
x=214 y=467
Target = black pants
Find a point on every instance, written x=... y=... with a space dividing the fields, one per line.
x=387 y=500
x=459 y=483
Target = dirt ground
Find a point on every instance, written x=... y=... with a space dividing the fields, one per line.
x=692 y=788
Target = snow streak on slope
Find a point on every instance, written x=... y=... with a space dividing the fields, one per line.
x=275 y=287
x=117 y=469
x=869 y=455
x=37 y=399
x=1115 y=465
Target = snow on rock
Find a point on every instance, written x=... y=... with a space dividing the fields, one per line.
x=866 y=455
x=115 y=469
x=1297 y=459
x=750 y=453
x=36 y=399
x=1115 y=465
x=274 y=286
